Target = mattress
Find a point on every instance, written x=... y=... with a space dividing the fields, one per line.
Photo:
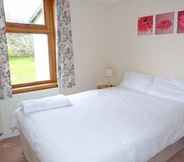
x=109 y=125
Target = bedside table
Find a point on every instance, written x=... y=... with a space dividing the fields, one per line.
x=102 y=86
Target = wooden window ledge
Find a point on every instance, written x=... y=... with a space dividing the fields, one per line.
x=34 y=87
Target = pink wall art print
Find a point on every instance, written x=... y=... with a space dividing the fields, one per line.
x=145 y=25
x=180 y=22
x=165 y=23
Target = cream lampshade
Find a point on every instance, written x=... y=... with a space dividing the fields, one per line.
x=108 y=75
x=108 y=72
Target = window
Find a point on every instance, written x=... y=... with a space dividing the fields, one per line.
x=31 y=44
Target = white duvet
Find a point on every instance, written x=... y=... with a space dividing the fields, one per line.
x=111 y=125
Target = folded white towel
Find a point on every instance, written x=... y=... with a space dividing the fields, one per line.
x=46 y=103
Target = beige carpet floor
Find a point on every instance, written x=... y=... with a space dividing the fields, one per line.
x=11 y=151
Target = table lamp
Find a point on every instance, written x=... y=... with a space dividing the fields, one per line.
x=108 y=75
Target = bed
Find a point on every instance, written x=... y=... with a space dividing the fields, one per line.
x=119 y=124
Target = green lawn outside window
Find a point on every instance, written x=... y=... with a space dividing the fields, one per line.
x=22 y=69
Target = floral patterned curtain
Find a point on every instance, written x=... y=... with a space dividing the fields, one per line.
x=66 y=70
x=5 y=85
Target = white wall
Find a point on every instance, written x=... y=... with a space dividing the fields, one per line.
x=160 y=55
x=88 y=37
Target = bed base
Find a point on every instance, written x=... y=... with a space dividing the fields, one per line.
x=30 y=155
x=169 y=152
x=163 y=156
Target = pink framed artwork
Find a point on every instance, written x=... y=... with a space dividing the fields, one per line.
x=145 y=25
x=180 y=22
x=165 y=23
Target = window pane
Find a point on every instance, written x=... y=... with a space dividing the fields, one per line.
x=28 y=57
x=24 y=11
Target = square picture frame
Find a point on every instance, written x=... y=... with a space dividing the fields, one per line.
x=164 y=23
x=145 y=25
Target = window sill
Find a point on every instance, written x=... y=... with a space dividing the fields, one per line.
x=37 y=87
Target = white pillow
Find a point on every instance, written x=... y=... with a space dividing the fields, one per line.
x=172 y=89
x=137 y=81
